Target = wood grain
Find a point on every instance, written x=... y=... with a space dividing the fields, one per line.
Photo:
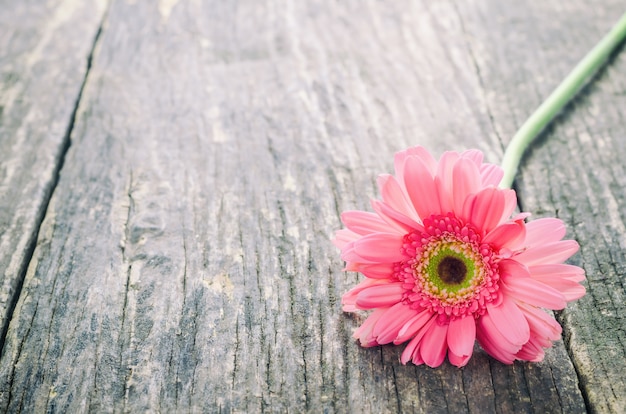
x=184 y=262
x=44 y=51
x=576 y=173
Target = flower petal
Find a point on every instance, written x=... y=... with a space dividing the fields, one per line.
x=461 y=336
x=492 y=341
x=541 y=324
x=528 y=290
x=376 y=270
x=378 y=248
x=344 y=237
x=458 y=361
x=570 y=289
x=560 y=271
x=380 y=295
x=512 y=268
x=434 y=345
x=420 y=186
x=410 y=328
x=411 y=351
x=491 y=174
x=418 y=152
x=473 y=154
x=388 y=326
x=485 y=209
x=509 y=235
x=549 y=253
x=531 y=351
x=510 y=321
x=444 y=180
x=394 y=218
x=395 y=197
x=348 y=300
x=466 y=180
x=364 y=332
x=544 y=230
x=363 y=222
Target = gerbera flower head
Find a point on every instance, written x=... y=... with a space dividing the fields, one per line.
x=446 y=263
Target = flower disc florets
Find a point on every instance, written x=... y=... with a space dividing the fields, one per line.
x=450 y=270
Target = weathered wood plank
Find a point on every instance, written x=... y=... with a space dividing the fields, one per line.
x=590 y=197
x=576 y=172
x=184 y=261
x=44 y=47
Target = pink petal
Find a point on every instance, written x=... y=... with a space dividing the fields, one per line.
x=492 y=341
x=348 y=300
x=388 y=326
x=473 y=154
x=395 y=197
x=394 y=218
x=410 y=328
x=484 y=209
x=530 y=291
x=544 y=230
x=376 y=271
x=568 y=288
x=541 y=324
x=352 y=267
x=446 y=163
x=421 y=188
x=363 y=222
x=561 y=271
x=458 y=361
x=380 y=295
x=443 y=193
x=492 y=349
x=364 y=332
x=419 y=152
x=512 y=268
x=491 y=174
x=531 y=351
x=444 y=180
x=461 y=336
x=379 y=248
x=510 y=204
x=344 y=237
x=510 y=321
x=411 y=352
x=434 y=345
x=509 y=235
x=466 y=180
x=550 y=253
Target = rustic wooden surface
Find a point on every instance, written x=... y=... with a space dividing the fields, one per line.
x=183 y=262
x=44 y=50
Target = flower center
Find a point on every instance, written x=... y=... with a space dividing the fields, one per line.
x=450 y=270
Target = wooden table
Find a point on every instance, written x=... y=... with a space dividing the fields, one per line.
x=172 y=172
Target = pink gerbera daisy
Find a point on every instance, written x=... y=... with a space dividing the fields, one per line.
x=446 y=264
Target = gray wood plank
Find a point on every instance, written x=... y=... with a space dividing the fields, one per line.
x=575 y=172
x=44 y=48
x=582 y=162
x=184 y=261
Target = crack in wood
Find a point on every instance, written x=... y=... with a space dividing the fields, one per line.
x=60 y=157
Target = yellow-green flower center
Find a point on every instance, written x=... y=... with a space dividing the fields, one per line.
x=450 y=270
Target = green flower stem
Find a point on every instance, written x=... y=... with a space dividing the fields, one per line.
x=570 y=86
